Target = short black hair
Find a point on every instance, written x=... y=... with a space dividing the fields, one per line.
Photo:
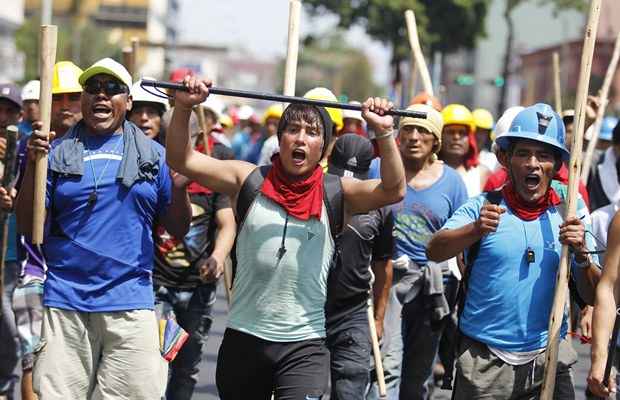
x=161 y=109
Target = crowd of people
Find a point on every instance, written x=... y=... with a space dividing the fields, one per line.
x=443 y=234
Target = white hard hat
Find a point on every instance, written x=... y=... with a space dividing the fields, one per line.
x=503 y=124
x=352 y=114
x=141 y=95
x=31 y=90
x=245 y=112
x=214 y=104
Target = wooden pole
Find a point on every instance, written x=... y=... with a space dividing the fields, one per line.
x=414 y=43
x=135 y=43
x=128 y=59
x=557 y=86
x=413 y=79
x=8 y=177
x=561 y=286
x=376 y=351
x=290 y=71
x=48 y=37
x=604 y=101
x=202 y=123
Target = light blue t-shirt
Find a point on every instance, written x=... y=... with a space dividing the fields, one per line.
x=423 y=212
x=100 y=257
x=508 y=301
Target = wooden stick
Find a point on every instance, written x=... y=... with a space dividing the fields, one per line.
x=561 y=286
x=557 y=86
x=8 y=177
x=135 y=43
x=128 y=59
x=202 y=123
x=290 y=71
x=413 y=79
x=376 y=351
x=48 y=37
x=414 y=43
x=604 y=101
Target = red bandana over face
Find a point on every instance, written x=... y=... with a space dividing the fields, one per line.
x=529 y=212
x=301 y=198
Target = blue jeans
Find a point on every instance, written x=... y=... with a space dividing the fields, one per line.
x=9 y=341
x=192 y=310
x=348 y=341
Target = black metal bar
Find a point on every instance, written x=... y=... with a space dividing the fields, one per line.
x=611 y=350
x=279 y=98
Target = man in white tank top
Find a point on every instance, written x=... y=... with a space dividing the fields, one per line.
x=275 y=337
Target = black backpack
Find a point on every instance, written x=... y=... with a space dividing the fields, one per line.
x=333 y=198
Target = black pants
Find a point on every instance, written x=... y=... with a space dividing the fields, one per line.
x=253 y=368
x=348 y=341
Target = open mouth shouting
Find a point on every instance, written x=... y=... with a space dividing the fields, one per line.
x=299 y=157
x=532 y=182
x=101 y=111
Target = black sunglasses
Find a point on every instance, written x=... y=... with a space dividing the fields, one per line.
x=110 y=88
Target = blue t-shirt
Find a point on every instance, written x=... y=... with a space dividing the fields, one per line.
x=508 y=301
x=423 y=212
x=100 y=257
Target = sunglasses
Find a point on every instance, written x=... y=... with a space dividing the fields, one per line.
x=110 y=88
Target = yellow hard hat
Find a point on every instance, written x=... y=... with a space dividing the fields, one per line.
x=226 y=121
x=458 y=114
x=483 y=118
x=274 y=111
x=65 y=78
x=321 y=93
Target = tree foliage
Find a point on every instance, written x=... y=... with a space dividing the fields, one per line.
x=445 y=25
x=92 y=45
x=330 y=62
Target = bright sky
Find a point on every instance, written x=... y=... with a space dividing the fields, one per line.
x=261 y=26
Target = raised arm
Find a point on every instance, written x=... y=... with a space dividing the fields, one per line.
x=224 y=176
x=363 y=196
x=607 y=299
x=448 y=243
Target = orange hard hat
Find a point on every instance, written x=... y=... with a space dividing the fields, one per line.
x=425 y=98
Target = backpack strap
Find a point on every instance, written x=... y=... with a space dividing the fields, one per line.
x=333 y=198
x=248 y=192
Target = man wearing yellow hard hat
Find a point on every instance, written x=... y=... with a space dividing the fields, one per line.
x=458 y=148
x=66 y=94
x=484 y=122
x=271 y=119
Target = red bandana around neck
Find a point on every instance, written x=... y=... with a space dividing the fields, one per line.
x=529 y=212
x=303 y=199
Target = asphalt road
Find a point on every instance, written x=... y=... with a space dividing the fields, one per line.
x=206 y=389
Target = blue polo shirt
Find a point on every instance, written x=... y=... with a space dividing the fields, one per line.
x=100 y=257
x=509 y=300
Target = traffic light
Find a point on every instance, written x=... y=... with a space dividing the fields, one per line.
x=499 y=81
x=465 y=80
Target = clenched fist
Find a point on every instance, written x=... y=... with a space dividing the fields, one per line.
x=489 y=219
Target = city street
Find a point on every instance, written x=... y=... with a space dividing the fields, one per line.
x=206 y=389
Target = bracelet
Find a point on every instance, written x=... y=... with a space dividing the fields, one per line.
x=385 y=135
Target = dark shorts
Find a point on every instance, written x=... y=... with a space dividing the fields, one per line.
x=253 y=368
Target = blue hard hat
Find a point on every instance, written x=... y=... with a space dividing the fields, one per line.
x=607 y=127
x=539 y=123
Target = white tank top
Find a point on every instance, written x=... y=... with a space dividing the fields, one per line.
x=281 y=299
x=471 y=178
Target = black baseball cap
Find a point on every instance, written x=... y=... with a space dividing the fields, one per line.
x=351 y=156
x=12 y=93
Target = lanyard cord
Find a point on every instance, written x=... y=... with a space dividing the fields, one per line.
x=282 y=249
x=92 y=198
